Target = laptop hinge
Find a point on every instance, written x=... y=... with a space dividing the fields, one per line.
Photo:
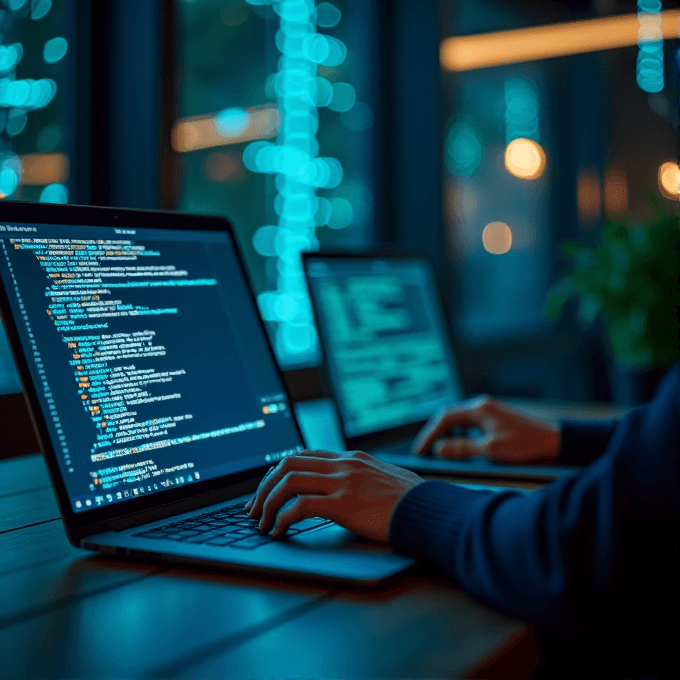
x=185 y=505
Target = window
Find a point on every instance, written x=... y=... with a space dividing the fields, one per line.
x=499 y=221
x=542 y=148
x=275 y=131
x=36 y=109
x=595 y=137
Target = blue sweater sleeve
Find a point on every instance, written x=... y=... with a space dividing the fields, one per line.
x=576 y=556
x=582 y=441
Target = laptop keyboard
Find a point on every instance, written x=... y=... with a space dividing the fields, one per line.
x=231 y=526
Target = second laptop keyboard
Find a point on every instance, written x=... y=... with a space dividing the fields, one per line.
x=231 y=526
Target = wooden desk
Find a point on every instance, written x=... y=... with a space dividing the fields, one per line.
x=68 y=613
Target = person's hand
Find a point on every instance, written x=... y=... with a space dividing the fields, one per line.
x=508 y=435
x=353 y=489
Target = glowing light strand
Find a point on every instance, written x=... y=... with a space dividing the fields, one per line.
x=21 y=96
x=298 y=169
x=649 y=68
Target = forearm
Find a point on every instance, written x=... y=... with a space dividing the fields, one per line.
x=570 y=557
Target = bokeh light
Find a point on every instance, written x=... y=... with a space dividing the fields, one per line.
x=588 y=195
x=264 y=240
x=11 y=173
x=40 y=169
x=48 y=138
x=221 y=166
x=359 y=118
x=300 y=89
x=342 y=213
x=615 y=192
x=649 y=68
x=9 y=181
x=465 y=201
x=28 y=94
x=463 y=149
x=232 y=121
x=669 y=180
x=344 y=97
x=16 y=121
x=497 y=238
x=521 y=110
x=482 y=50
x=326 y=15
x=324 y=92
x=40 y=9
x=55 y=50
x=10 y=56
x=54 y=193
x=525 y=158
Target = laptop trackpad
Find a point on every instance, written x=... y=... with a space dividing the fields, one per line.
x=336 y=537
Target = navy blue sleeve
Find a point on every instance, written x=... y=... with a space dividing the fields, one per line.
x=576 y=556
x=582 y=441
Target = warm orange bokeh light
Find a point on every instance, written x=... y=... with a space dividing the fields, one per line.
x=497 y=238
x=588 y=195
x=615 y=192
x=669 y=180
x=542 y=42
x=524 y=158
x=40 y=169
x=198 y=132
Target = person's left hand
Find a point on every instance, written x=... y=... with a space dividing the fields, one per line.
x=353 y=489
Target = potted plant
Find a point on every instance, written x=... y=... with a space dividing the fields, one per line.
x=630 y=279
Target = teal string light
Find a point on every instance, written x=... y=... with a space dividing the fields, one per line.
x=299 y=171
x=521 y=110
x=19 y=97
x=650 y=61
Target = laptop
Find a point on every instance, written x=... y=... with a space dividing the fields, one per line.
x=389 y=360
x=154 y=391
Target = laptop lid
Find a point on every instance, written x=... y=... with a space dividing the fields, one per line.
x=145 y=364
x=388 y=356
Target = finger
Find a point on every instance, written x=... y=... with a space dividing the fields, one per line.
x=441 y=424
x=303 y=507
x=460 y=448
x=318 y=453
x=288 y=464
x=294 y=484
x=266 y=475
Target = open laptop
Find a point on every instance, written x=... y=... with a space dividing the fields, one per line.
x=389 y=359
x=154 y=392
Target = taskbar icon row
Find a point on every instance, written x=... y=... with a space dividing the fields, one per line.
x=93 y=501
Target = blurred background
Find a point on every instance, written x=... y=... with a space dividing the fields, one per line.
x=487 y=133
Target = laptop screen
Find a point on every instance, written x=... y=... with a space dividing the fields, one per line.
x=151 y=365
x=386 y=347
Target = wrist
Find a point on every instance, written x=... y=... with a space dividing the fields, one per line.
x=551 y=441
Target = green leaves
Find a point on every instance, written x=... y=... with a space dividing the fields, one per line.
x=630 y=278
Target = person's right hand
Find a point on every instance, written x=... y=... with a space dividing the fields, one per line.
x=508 y=435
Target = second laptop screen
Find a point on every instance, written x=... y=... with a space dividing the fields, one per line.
x=387 y=351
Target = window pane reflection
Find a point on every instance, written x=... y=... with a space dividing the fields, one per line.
x=275 y=132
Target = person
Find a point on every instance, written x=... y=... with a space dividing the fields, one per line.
x=590 y=560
